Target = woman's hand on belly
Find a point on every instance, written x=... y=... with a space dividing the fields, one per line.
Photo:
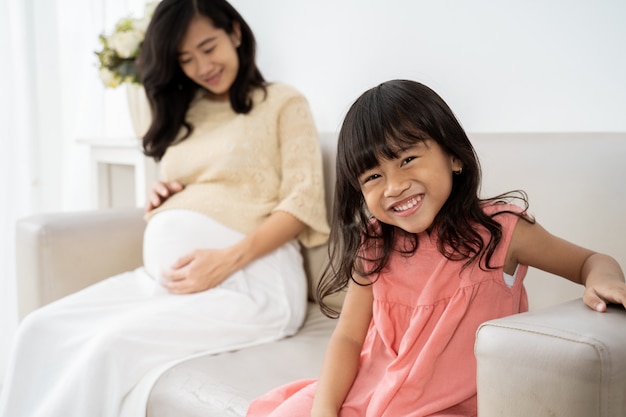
x=201 y=270
x=160 y=192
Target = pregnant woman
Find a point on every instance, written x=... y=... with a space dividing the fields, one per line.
x=242 y=189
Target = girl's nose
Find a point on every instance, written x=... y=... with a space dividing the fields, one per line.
x=396 y=185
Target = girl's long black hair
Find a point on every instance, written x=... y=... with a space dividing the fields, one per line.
x=168 y=89
x=383 y=120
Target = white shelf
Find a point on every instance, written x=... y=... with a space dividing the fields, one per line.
x=110 y=159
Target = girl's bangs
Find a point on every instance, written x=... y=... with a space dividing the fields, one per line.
x=380 y=125
x=375 y=140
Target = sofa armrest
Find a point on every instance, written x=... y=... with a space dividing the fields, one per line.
x=60 y=253
x=565 y=360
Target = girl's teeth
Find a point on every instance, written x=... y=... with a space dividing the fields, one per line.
x=409 y=204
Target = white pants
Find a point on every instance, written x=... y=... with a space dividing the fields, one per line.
x=84 y=355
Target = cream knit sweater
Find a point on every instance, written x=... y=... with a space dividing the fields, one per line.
x=239 y=168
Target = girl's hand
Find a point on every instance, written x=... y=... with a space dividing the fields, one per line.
x=604 y=282
x=201 y=270
x=160 y=192
x=597 y=297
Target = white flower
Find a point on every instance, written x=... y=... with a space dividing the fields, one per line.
x=117 y=57
x=126 y=44
x=109 y=78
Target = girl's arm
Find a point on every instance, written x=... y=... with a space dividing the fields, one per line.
x=203 y=269
x=603 y=278
x=341 y=360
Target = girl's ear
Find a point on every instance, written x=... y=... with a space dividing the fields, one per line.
x=457 y=165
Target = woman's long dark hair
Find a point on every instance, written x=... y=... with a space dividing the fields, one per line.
x=168 y=89
x=382 y=121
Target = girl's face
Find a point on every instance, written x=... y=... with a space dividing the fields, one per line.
x=208 y=56
x=408 y=191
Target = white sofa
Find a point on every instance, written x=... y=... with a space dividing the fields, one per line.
x=560 y=359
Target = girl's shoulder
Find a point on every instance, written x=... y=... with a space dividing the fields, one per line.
x=505 y=213
x=493 y=208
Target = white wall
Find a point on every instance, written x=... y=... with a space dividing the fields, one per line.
x=515 y=65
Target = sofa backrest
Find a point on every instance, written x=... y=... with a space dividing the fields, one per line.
x=316 y=259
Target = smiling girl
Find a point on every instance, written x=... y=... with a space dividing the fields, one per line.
x=425 y=261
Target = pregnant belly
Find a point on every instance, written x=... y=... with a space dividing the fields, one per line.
x=174 y=233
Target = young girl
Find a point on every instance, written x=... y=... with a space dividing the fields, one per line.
x=425 y=261
x=242 y=189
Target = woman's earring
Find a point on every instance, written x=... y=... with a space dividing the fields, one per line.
x=238 y=43
x=459 y=171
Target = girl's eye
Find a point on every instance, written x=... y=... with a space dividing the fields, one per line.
x=408 y=159
x=369 y=178
x=208 y=51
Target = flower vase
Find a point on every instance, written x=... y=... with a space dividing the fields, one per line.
x=139 y=108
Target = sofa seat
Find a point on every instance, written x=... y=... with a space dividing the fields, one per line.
x=223 y=385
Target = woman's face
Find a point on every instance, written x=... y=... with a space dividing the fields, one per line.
x=208 y=56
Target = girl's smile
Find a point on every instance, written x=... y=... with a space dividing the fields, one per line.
x=408 y=206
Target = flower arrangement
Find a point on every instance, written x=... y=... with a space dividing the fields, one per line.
x=120 y=49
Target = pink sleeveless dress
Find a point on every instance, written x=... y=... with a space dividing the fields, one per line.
x=418 y=356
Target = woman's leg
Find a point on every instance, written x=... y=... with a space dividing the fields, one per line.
x=82 y=355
